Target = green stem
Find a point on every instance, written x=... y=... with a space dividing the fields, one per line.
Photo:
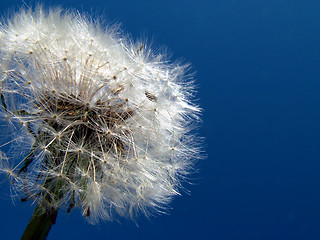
x=39 y=224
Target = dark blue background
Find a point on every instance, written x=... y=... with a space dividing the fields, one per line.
x=257 y=65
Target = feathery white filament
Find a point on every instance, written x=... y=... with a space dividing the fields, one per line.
x=94 y=121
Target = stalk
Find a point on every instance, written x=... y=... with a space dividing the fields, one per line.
x=40 y=224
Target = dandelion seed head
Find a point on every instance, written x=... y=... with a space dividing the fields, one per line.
x=99 y=122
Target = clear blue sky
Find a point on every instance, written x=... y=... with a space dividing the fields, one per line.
x=257 y=65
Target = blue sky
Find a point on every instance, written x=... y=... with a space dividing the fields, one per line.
x=258 y=76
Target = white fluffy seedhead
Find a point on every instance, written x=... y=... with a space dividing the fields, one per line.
x=91 y=119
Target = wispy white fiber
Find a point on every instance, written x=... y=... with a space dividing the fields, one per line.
x=90 y=119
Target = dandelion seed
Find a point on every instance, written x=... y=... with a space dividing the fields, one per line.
x=96 y=122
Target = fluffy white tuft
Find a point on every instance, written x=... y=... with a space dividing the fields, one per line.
x=90 y=119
